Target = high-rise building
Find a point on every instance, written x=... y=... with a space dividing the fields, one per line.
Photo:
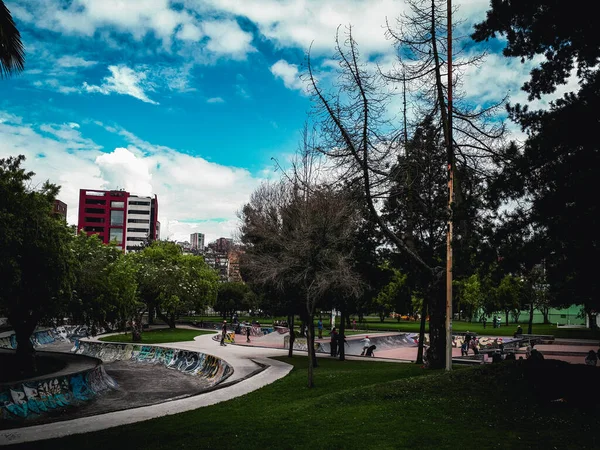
x=119 y=216
x=60 y=208
x=221 y=245
x=197 y=241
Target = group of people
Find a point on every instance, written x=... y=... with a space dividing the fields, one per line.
x=237 y=330
x=337 y=341
x=470 y=343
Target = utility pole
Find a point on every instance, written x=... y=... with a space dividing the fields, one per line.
x=450 y=151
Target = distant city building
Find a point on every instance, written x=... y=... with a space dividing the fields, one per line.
x=197 y=241
x=234 y=265
x=220 y=263
x=60 y=208
x=221 y=245
x=119 y=216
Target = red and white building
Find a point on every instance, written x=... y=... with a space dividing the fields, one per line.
x=119 y=216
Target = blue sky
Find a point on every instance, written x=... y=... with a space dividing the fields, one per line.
x=186 y=99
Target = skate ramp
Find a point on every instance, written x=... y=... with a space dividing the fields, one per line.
x=214 y=370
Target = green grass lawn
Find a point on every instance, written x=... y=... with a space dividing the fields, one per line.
x=367 y=405
x=161 y=336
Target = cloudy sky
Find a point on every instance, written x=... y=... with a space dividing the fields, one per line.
x=187 y=99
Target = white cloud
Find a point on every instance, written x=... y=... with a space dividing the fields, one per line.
x=289 y=74
x=124 y=81
x=227 y=38
x=123 y=169
x=139 y=19
x=74 y=61
x=215 y=100
x=193 y=194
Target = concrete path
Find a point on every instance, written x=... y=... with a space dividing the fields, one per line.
x=245 y=361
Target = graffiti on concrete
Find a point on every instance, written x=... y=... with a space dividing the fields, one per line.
x=33 y=398
x=41 y=338
x=487 y=342
x=190 y=362
x=229 y=337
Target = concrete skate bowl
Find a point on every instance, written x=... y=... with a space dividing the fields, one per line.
x=125 y=376
x=48 y=397
x=354 y=346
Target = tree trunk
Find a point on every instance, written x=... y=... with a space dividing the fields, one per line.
x=292 y=335
x=25 y=351
x=422 y=333
x=311 y=351
x=530 y=326
x=545 y=312
x=506 y=312
x=151 y=315
x=312 y=333
x=341 y=345
x=437 y=330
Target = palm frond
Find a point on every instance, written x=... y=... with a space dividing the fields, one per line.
x=12 y=54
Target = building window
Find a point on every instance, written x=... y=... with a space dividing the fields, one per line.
x=94 y=210
x=135 y=239
x=134 y=247
x=137 y=230
x=138 y=220
x=116 y=218
x=117 y=204
x=139 y=203
x=133 y=211
x=93 y=201
x=94 y=219
x=116 y=234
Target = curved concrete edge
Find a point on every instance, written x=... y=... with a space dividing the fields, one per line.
x=273 y=372
x=192 y=362
x=43 y=395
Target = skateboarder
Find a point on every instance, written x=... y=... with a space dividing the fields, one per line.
x=223 y=332
x=247 y=334
x=366 y=344
x=371 y=351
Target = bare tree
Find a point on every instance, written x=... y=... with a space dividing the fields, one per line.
x=357 y=131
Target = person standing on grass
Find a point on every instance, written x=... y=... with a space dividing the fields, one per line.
x=354 y=324
x=248 y=334
x=223 y=332
x=320 y=328
x=484 y=320
x=333 y=343
x=366 y=344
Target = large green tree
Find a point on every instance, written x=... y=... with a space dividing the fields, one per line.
x=36 y=261
x=304 y=235
x=556 y=170
x=105 y=292
x=173 y=283
x=230 y=298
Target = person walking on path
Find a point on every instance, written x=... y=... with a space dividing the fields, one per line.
x=223 y=332
x=320 y=328
x=366 y=344
x=248 y=334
